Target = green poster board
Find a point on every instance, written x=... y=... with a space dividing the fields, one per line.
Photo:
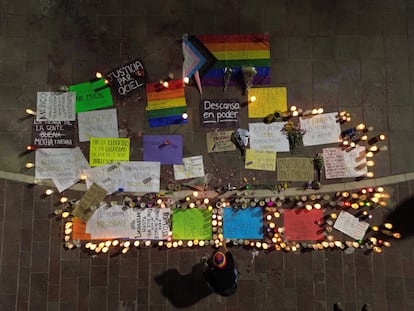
x=107 y=150
x=92 y=95
x=191 y=224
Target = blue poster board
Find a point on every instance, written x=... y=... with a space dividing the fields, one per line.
x=243 y=223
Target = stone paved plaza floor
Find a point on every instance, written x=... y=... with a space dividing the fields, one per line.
x=353 y=55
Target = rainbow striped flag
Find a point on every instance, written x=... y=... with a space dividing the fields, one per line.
x=235 y=51
x=165 y=106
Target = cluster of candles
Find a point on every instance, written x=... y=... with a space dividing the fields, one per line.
x=359 y=203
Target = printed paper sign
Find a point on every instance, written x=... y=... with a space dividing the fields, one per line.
x=351 y=225
x=268 y=100
x=220 y=141
x=243 y=223
x=63 y=165
x=268 y=137
x=320 y=129
x=191 y=224
x=221 y=113
x=167 y=149
x=92 y=95
x=192 y=167
x=90 y=201
x=127 y=78
x=260 y=160
x=55 y=106
x=295 y=169
x=98 y=123
x=340 y=163
x=107 y=150
x=52 y=134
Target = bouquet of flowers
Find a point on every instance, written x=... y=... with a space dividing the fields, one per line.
x=227 y=75
x=294 y=134
x=249 y=73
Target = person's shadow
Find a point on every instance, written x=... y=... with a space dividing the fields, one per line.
x=183 y=290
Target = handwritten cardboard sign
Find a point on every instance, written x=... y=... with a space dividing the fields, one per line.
x=191 y=224
x=268 y=137
x=220 y=141
x=107 y=150
x=192 y=167
x=152 y=223
x=127 y=78
x=295 y=169
x=53 y=134
x=98 y=123
x=340 y=163
x=243 y=223
x=260 y=160
x=55 y=106
x=320 y=129
x=351 y=225
x=90 y=201
x=268 y=100
x=92 y=95
x=220 y=113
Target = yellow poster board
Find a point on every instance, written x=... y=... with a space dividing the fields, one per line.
x=268 y=100
x=107 y=150
x=260 y=160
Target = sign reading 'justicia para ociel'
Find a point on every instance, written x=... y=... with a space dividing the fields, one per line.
x=221 y=113
x=127 y=78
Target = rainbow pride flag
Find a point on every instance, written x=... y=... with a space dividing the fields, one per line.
x=235 y=51
x=165 y=106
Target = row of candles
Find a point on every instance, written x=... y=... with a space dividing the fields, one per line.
x=367 y=198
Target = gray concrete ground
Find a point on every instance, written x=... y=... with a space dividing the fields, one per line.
x=340 y=55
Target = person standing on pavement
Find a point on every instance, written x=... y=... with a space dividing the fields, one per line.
x=220 y=272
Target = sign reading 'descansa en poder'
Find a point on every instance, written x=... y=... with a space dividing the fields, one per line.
x=221 y=113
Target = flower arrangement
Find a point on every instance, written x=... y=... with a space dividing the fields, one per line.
x=249 y=73
x=294 y=134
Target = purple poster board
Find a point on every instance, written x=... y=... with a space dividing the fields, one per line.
x=167 y=149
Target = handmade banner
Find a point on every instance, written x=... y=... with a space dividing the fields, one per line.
x=243 y=223
x=191 y=224
x=63 y=165
x=351 y=225
x=90 y=201
x=220 y=141
x=295 y=169
x=268 y=137
x=92 y=95
x=108 y=176
x=234 y=51
x=320 y=129
x=167 y=149
x=192 y=167
x=127 y=78
x=340 y=163
x=260 y=160
x=107 y=150
x=55 y=106
x=302 y=225
x=53 y=134
x=268 y=100
x=220 y=113
x=98 y=123
x=166 y=105
x=110 y=222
